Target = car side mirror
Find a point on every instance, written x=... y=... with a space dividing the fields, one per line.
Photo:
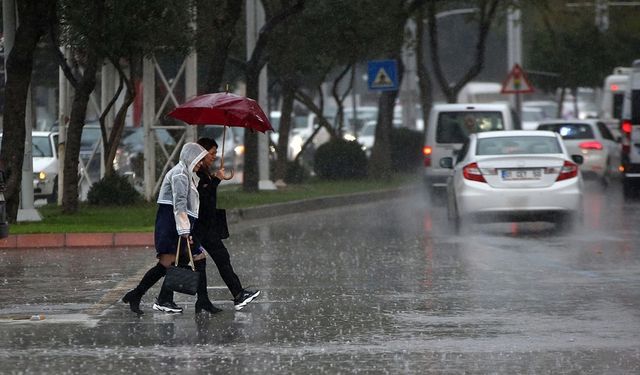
x=446 y=162
x=578 y=159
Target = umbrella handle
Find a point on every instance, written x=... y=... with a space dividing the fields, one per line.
x=230 y=177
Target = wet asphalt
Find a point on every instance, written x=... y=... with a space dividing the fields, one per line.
x=372 y=288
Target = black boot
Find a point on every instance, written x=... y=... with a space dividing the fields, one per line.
x=203 y=302
x=134 y=296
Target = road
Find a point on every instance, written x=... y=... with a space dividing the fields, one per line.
x=378 y=288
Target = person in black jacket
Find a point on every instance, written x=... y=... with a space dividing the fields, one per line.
x=205 y=231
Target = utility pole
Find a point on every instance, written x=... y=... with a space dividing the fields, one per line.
x=255 y=21
x=514 y=48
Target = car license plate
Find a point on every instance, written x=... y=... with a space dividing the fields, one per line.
x=521 y=174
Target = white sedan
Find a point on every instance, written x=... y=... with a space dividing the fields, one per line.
x=514 y=176
x=594 y=141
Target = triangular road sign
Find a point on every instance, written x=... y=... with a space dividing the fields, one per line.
x=516 y=82
x=382 y=79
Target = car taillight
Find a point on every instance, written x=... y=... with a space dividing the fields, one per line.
x=626 y=127
x=568 y=170
x=472 y=172
x=426 y=151
x=626 y=131
x=591 y=145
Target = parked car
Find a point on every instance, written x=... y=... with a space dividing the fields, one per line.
x=44 y=151
x=367 y=137
x=514 y=176
x=45 y=165
x=593 y=140
x=129 y=158
x=449 y=127
x=233 y=143
x=90 y=152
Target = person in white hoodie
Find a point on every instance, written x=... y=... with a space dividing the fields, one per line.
x=178 y=204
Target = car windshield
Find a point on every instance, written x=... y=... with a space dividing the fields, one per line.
x=518 y=145
x=532 y=115
x=455 y=127
x=570 y=131
x=369 y=129
x=41 y=147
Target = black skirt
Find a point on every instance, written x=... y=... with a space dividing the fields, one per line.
x=166 y=235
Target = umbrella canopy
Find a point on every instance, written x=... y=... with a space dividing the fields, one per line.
x=225 y=109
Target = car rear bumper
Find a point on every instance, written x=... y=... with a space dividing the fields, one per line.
x=436 y=177
x=478 y=198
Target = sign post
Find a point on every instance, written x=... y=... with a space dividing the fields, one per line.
x=517 y=83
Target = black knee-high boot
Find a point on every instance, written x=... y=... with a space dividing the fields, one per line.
x=134 y=296
x=203 y=302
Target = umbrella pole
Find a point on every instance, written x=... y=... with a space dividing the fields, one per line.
x=224 y=137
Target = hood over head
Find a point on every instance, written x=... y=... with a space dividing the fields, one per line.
x=191 y=154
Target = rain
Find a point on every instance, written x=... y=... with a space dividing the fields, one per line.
x=380 y=287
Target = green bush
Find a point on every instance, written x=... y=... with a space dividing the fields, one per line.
x=113 y=190
x=340 y=159
x=406 y=149
x=296 y=173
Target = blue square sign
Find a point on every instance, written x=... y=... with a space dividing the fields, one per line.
x=383 y=75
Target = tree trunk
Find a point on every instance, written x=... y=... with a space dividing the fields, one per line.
x=380 y=160
x=255 y=64
x=424 y=79
x=285 y=127
x=112 y=143
x=85 y=86
x=34 y=18
x=251 y=177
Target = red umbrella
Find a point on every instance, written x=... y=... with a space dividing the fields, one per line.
x=223 y=108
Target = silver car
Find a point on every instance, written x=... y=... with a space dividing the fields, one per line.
x=514 y=176
x=593 y=140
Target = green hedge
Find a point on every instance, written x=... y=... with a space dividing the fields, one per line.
x=340 y=159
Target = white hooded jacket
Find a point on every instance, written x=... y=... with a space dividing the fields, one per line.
x=180 y=187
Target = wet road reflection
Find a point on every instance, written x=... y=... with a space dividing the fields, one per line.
x=376 y=288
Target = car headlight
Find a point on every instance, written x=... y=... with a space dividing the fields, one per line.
x=239 y=150
x=42 y=176
x=349 y=137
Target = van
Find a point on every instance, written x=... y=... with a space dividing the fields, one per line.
x=449 y=126
x=482 y=92
x=613 y=89
x=631 y=131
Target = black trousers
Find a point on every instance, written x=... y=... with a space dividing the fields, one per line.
x=220 y=255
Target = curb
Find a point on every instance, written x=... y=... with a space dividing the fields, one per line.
x=234 y=216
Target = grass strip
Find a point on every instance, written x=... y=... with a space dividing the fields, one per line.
x=141 y=217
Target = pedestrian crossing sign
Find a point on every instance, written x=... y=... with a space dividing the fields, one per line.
x=382 y=75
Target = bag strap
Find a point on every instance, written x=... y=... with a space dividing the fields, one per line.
x=191 y=263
